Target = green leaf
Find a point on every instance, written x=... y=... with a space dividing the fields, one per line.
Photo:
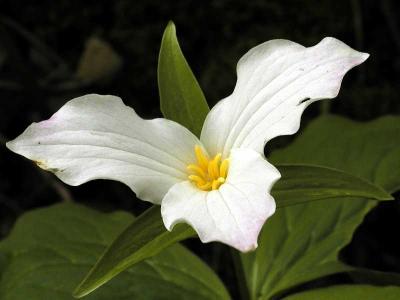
x=145 y=237
x=303 y=183
x=373 y=277
x=364 y=292
x=302 y=242
x=181 y=97
x=50 y=249
x=368 y=150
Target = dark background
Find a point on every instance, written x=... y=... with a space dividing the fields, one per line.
x=42 y=66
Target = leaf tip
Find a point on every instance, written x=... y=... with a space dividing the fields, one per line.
x=85 y=287
x=79 y=292
x=171 y=24
x=382 y=194
x=171 y=28
x=386 y=196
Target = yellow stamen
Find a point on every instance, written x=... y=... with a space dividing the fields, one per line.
x=217 y=183
x=223 y=169
x=197 y=179
x=205 y=187
x=208 y=174
x=195 y=168
x=213 y=169
x=201 y=158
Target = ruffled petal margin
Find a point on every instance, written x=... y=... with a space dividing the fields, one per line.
x=98 y=137
x=235 y=213
x=276 y=81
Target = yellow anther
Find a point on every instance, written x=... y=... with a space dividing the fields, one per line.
x=208 y=174
x=197 y=179
x=205 y=187
x=201 y=158
x=213 y=167
x=223 y=169
x=217 y=183
x=196 y=169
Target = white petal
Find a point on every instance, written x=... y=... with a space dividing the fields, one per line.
x=98 y=137
x=236 y=212
x=276 y=81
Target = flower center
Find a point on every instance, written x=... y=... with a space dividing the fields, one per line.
x=208 y=174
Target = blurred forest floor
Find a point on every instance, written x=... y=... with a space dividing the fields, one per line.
x=52 y=51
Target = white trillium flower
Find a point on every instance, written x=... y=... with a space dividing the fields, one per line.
x=219 y=184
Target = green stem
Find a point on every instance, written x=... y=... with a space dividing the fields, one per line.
x=325 y=107
x=240 y=277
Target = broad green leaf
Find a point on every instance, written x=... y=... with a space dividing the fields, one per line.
x=368 y=150
x=301 y=243
x=145 y=237
x=3 y=262
x=50 y=249
x=303 y=183
x=353 y=292
x=181 y=97
x=373 y=277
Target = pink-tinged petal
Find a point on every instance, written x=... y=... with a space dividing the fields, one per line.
x=235 y=213
x=276 y=81
x=98 y=137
